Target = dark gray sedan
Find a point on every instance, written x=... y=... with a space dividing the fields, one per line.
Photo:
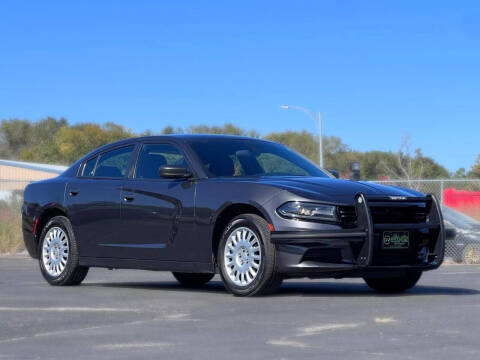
x=253 y=210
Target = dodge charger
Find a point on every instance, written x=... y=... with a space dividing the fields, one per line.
x=252 y=210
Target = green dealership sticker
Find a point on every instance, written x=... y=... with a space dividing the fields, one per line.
x=396 y=240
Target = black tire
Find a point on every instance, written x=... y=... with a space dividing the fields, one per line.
x=193 y=279
x=394 y=284
x=267 y=280
x=73 y=273
x=471 y=254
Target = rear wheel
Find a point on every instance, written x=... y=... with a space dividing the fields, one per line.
x=246 y=257
x=59 y=261
x=192 y=279
x=471 y=254
x=394 y=284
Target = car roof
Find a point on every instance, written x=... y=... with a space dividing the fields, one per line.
x=198 y=137
x=182 y=137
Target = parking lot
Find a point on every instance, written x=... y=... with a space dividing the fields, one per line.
x=125 y=314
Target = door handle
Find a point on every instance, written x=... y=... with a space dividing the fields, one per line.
x=74 y=192
x=128 y=198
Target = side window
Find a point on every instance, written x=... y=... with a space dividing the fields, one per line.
x=154 y=156
x=114 y=163
x=89 y=167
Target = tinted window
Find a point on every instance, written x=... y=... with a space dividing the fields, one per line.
x=232 y=157
x=114 y=163
x=154 y=156
x=89 y=167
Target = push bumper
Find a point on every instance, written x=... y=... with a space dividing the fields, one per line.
x=358 y=251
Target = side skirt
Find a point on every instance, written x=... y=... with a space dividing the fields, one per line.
x=178 y=266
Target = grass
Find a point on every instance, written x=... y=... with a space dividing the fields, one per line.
x=11 y=239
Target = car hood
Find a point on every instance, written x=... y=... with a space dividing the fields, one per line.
x=334 y=188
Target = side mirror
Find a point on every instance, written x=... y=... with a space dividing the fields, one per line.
x=174 y=172
x=334 y=172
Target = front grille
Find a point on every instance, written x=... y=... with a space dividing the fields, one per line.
x=399 y=213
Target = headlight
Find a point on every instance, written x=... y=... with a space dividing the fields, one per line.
x=310 y=211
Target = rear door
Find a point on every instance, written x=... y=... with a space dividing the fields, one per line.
x=157 y=213
x=93 y=201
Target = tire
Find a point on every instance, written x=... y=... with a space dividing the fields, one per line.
x=246 y=257
x=471 y=254
x=58 y=246
x=394 y=284
x=193 y=279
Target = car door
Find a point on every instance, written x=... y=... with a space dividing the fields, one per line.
x=93 y=201
x=157 y=213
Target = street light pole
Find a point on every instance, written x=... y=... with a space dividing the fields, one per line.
x=320 y=139
x=316 y=117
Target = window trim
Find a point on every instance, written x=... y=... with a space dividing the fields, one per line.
x=82 y=167
x=140 y=148
x=99 y=154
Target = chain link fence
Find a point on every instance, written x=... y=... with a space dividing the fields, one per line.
x=460 y=201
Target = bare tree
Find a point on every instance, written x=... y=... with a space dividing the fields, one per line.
x=407 y=166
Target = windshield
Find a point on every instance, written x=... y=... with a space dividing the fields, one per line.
x=240 y=157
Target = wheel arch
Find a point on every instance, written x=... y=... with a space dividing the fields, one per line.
x=227 y=213
x=47 y=213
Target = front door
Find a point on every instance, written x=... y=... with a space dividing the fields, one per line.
x=158 y=214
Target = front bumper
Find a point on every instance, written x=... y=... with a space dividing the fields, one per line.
x=357 y=252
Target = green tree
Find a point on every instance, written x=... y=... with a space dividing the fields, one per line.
x=227 y=128
x=475 y=170
x=461 y=173
x=15 y=136
x=22 y=138
x=42 y=141
x=55 y=141
x=72 y=142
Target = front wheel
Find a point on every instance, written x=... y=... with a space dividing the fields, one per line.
x=246 y=257
x=394 y=284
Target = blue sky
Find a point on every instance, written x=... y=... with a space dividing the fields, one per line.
x=376 y=69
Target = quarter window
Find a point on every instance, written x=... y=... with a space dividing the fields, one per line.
x=154 y=156
x=114 y=164
x=89 y=167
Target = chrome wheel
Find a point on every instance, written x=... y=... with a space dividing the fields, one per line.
x=242 y=256
x=55 y=251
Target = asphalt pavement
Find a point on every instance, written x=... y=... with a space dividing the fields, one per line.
x=131 y=314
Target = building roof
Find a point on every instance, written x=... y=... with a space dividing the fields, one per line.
x=55 y=169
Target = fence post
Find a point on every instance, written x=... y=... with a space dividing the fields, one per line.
x=441 y=192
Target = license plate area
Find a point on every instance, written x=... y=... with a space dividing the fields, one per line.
x=395 y=240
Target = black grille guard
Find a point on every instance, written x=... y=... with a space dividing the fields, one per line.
x=365 y=228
